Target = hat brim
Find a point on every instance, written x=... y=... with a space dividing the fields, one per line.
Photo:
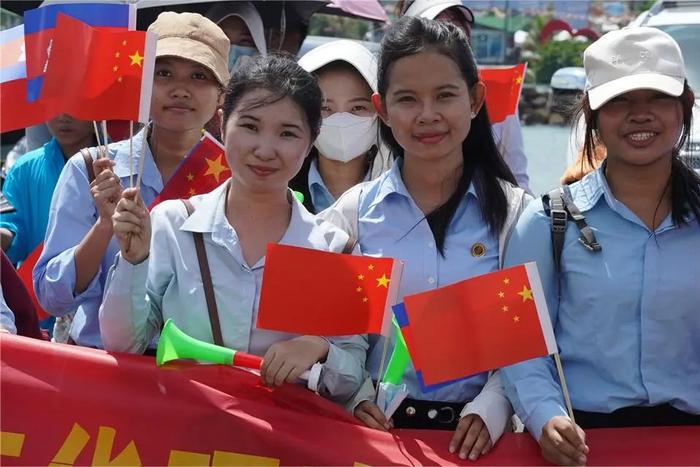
x=601 y=94
x=358 y=57
x=183 y=47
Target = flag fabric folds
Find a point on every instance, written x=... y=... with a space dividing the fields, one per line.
x=308 y=291
x=203 y=170
x=39 y=29
x=15 y=111
x=95 y=74
x=503 y=86
x=478 y=324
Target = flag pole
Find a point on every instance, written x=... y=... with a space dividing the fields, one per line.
x=104 y=136
x=131 y=154
x=567 y=399
x=144 y=143
x=381 y=365
x=97 y=137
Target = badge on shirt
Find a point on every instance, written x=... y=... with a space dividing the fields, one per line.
x=478 y=249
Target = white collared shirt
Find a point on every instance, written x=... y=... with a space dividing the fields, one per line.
x=168 y=285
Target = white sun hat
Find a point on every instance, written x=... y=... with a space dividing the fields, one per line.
x=250 y=16
x=344 y=50
x=630 y=59
x=429 y=9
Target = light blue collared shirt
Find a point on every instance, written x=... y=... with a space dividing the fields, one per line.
x=628 y=320
x=29 y=187
x=321 y=197
x=168 y=285
x=72 y=215
x=392 y=225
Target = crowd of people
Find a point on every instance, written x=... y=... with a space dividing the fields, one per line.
x=402 y=140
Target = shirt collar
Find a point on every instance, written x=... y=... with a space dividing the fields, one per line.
x=119 y=152
x=391 y=183
x=54 y=153
x=210 y=217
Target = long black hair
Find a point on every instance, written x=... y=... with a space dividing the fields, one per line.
x=483 y=163
x=684 y=182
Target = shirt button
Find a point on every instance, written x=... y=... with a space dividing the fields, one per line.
x=431 y=245
x=431 y=280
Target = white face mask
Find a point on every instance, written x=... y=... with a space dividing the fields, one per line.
x=345 y=136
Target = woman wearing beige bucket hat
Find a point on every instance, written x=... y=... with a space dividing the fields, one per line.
x=624 y=294
x=190 y=73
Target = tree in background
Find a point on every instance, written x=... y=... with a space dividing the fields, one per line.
x=558 y=54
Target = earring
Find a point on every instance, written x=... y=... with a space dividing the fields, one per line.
x=473 y=115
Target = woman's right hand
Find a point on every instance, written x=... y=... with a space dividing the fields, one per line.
x=106 y=189
x=132 y=226
x=563 y=442
x=372 y=416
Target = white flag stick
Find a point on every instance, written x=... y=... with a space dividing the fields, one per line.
x=131 y=154
x=98 y=139
x=567 y=399
x=385 y=348
x=144 y=143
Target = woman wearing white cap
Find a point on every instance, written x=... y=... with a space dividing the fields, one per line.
x=190 y=73
x=625 y=317
x=346 y=151
x=508 y=134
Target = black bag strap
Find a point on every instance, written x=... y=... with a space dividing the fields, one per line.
x=87 y=157
x=559 y=206
x=206 y=280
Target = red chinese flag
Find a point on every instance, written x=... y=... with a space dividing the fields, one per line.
x=100 y=74
x=503 y=86
x=478 y=324
x=315 y=292
x=203 y=170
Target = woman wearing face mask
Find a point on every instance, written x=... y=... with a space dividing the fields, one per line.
x=346 y=151
x=243 y=25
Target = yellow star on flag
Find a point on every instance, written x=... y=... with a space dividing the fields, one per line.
x=516 y=318
x=190 y=177
x=504 y=308
x=365 y=300
x=136 y=58
x=193 y=192
x=501 y=294
x=123 y=42
x=359 y=289
x=526 y=294
x=361 y=277
x=506 y=281
x=370 y=267
x=215 y=167
x=119 y=79
x=383 y=281
x=518 y=80
x=116 y=55
x=115 y=68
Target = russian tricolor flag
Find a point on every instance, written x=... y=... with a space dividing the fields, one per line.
x=39 y=26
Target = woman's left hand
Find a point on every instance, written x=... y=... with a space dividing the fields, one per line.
x=471 y=438
x=285 y=361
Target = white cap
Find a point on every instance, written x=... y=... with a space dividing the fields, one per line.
x=344 y=50
x=250 y=16
x=429 y=9
x=631 y=59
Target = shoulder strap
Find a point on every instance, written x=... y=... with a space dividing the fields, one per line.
x=87 y=157
x=559 y=206
x=206 y=280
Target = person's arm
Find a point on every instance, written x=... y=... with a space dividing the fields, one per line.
x=72 y=220
x=6 y=237
x=512 y=147
x=492 y=405
x=105 y=190
x=344 y=370
x=7 y=318
x=131 y=311
x=13 y=225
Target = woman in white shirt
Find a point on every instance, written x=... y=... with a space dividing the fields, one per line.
x=271 y=116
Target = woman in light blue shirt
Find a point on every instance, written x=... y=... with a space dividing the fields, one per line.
x=79 y=247
x=627 y=317
x=445 y=209
x=271 y=115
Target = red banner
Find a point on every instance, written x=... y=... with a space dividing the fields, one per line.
x=68 y=405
